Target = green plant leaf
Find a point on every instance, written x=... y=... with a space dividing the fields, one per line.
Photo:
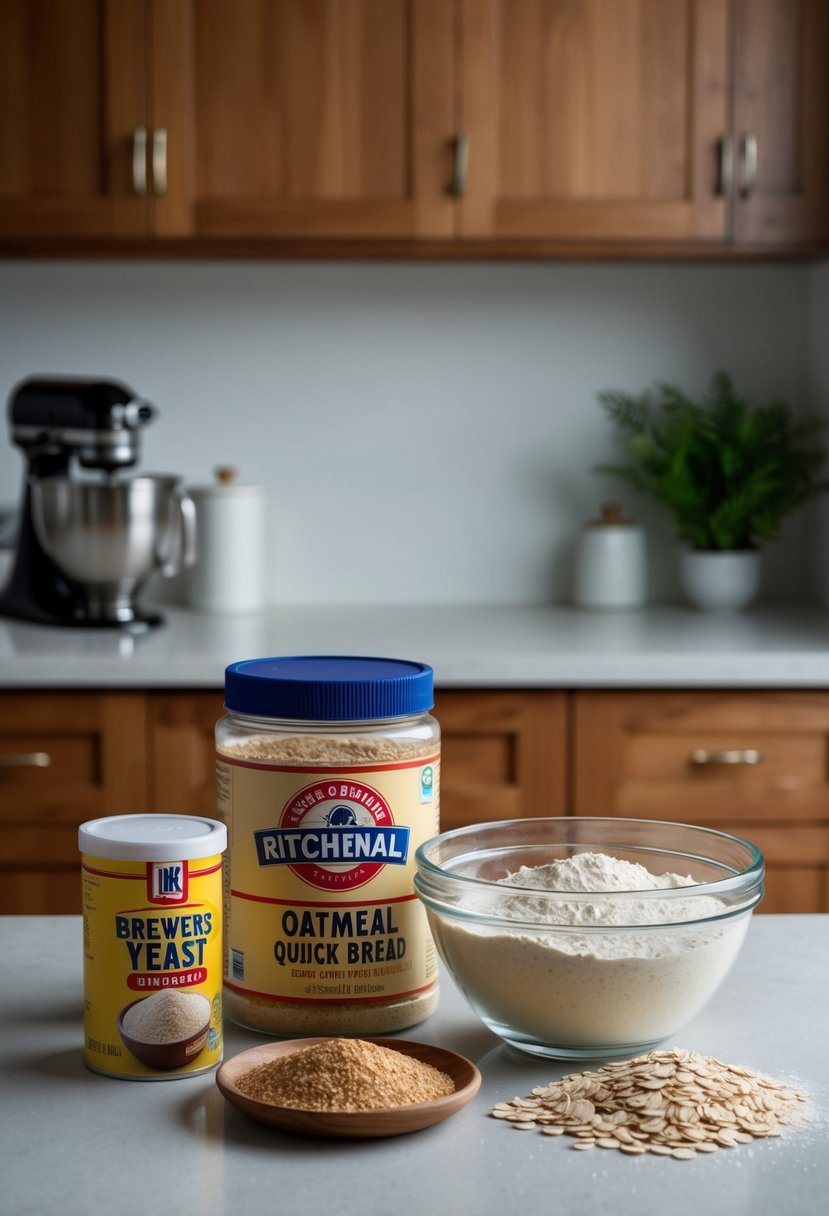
x=728 y=472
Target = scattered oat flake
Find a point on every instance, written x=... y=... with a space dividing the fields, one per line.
x=673 y=1104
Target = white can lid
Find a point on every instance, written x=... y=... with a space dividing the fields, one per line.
x=152 y=837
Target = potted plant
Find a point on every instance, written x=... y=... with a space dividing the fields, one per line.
x=728 y=471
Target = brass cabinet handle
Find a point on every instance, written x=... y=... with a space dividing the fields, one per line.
x=25 y=759
x=748 y=165
x=460 y=165
x=725 y=179
x=139 y=161
x=159 y=161
x=703 y=758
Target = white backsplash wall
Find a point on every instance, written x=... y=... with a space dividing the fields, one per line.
x=426 y=432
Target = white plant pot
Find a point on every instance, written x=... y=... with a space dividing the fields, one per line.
x=720 y=581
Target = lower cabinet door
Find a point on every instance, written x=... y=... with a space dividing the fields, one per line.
x=752 y=763
x=64 y=758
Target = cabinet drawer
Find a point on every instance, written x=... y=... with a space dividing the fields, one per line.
x=92 y=752
x=635 y=755
x=797 y=864
x=64 y=758
x=49 y=775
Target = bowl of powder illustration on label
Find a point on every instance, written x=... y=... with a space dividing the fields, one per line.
x=167 y=1029
x=588 y=937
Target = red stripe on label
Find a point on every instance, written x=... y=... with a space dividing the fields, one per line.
x=340 y=1000
x=328 y=768
x=142 y=877
x=322 y=903
x=210 y=870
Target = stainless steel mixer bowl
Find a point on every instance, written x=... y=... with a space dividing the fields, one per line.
x=110 y=537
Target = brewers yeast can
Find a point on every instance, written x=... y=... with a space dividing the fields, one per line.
x=152 y=945
x=328 y=778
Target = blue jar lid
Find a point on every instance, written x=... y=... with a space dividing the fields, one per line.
x=328 y=688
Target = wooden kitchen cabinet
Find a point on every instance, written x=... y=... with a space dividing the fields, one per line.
x=694 y=120
x=73 y=94
x=69 y=757
x=588 y=119
x=182 y=755
x=753 y=763
x=64 y=758
x=503 y=754
x=779 y=130
x=203 y=119
x=302 y=119
x=442 y=127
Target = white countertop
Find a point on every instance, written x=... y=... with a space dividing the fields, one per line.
x=81 y=1144
x=786 y=646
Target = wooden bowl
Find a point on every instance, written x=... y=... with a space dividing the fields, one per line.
x=395 y=1121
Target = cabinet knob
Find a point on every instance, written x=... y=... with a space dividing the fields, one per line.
x=703 y=758
x=460 y=165
x=725 y=179
x=139 y=161
x=159 y=161
x=25 y=759
x=748 y=165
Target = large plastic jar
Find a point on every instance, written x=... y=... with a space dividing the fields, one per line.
x=328 y=778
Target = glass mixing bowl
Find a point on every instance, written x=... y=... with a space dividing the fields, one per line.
x=584 y=974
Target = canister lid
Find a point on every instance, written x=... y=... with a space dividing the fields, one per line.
x=329 y=688
x=611 y=517
x=152 y=837
x=225 y=486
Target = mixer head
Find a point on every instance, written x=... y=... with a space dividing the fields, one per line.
x=99 y=421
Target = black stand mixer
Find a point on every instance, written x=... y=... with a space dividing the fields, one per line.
x=87 y=546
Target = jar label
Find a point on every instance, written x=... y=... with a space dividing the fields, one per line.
x=152 y=941
x=321 y=907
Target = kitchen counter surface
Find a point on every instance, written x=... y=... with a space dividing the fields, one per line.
x=80 y=1144
x=469 y=647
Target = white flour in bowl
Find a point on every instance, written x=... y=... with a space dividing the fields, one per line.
x=597 y=874
x=591 y=990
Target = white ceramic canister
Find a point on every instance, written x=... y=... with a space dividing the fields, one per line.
x=610 y=562
x=229 y=573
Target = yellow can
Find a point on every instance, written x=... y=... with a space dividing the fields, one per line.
x=152 y=944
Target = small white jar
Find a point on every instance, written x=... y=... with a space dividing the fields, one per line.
x=610 y=562
x=229 y=573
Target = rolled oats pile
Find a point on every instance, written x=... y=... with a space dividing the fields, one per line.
x=671 y=1103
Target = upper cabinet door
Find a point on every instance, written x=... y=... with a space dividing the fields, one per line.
x=72 y=109
x=304 y=117
x=593 y=119
x=781 y=121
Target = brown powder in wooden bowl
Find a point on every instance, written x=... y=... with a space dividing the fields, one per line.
x=345 y=1075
